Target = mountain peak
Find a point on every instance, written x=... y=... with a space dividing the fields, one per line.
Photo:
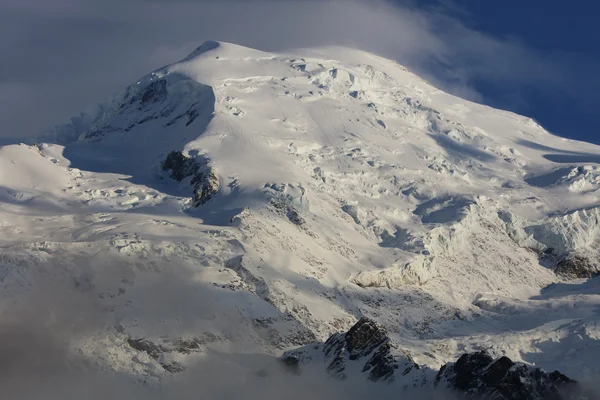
x=295 y=194
x=205 y=47
x=221 y=50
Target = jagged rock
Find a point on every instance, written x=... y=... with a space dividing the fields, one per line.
x=188 y=346
x=364 y=337
x=575 y=266
x=478 y=375
x=206 y=185
x=164 y=100
x=153 y=93
x=185 y=347
x=496 y=371
x=366 y=342
x=173 y=367
x=134 y=99
x=475 y=375
x=204 y=178
x=180 y=166
x=295 y=217
x=382 y=365
x=146 y=346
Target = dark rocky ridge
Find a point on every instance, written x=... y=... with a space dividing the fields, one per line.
x=576 y=266
x=165 y=346
x=475 y=375
x=479 y=376
x=140 y=104
x=363 y=339
x=366 y=343
x=204 y=179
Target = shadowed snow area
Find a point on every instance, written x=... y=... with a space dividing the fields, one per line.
x=249 y=203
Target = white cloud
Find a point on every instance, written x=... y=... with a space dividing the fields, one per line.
x=70 y=53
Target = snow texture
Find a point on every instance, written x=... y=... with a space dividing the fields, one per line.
x=243 y=201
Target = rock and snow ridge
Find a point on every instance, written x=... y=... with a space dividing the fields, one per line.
x=296 y=194
x=366 y=349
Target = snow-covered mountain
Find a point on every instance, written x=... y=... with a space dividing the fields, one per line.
x=248 y=202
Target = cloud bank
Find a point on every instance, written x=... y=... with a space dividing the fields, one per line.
x=44 y=326
x=62 y=55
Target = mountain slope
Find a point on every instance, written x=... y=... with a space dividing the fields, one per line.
x=244 y=201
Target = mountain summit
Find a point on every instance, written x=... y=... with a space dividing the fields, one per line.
x=256 y=202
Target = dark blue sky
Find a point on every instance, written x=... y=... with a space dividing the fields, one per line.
x=565 y=31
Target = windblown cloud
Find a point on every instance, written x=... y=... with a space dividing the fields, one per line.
x=62 y=55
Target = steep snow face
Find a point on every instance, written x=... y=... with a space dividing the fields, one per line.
x=257 y=202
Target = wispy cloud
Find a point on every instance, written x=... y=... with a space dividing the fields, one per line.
x=62 y=55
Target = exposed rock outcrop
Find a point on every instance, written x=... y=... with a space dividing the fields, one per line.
x=155 y=92
x=163 y=350
x=575 y=266
x=155 y=352
x=364 y=337
x=289 y=200
x=150 y=101
x=367 y=345
x=366 y=348
x=204 y=178
x=365 y=340
x=479 y=376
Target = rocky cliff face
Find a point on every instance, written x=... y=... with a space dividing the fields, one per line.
x=368 y=343
x=479 y=375
x=164 y=100
x=204 y=179
x=367 y=347
x=577 y=266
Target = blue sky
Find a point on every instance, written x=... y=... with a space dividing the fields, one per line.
x=565 y=31
x=538 y=58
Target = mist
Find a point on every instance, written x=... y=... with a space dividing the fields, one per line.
x=44 y=328
x=39 y=359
